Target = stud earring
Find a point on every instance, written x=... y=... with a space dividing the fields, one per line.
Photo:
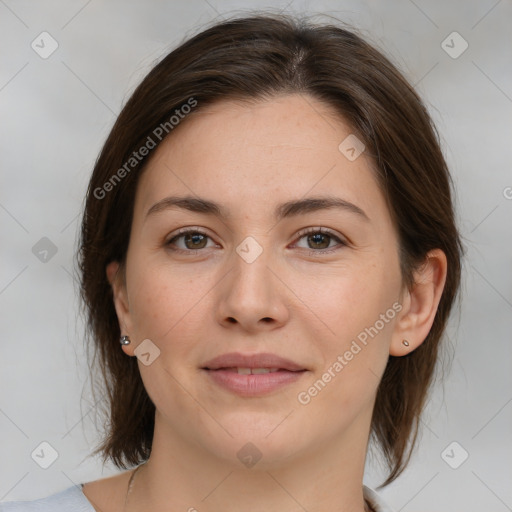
x=125 y=340
x=405 y=343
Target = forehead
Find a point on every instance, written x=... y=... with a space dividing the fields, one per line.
x=261 y=152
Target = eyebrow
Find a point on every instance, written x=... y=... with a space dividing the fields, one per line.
x=282 y=211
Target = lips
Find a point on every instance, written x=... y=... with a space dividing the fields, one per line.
x=234 y=360
x=252 y=371
x=252 y=375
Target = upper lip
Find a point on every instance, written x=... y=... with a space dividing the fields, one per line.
x=263 y=360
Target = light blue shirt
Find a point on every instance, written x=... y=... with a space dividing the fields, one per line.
x=73 y=499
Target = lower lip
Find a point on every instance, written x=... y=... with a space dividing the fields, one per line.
x=254 y=384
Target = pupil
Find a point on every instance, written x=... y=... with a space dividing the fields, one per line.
x=194 y=239
x=317 y=239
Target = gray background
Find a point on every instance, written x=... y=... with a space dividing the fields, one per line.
x=56 y=113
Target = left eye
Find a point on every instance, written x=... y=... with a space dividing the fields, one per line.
x=318 y=239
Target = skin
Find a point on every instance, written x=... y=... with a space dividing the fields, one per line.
x=292 y=300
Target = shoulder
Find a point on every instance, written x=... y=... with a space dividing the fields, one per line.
x=69 y=500
x=104 y=494
x=376 y=502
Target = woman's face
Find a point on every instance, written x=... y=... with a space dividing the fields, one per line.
x=317 y=286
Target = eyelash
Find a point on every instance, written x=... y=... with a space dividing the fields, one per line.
x=301 y=234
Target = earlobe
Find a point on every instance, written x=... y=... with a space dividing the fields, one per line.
x=421 y=303
x=117 y=282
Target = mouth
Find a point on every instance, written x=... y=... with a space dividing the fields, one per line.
x=253 y=374
x=262 y=361
x=252 y=371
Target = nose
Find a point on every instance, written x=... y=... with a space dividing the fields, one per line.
x=252 y=296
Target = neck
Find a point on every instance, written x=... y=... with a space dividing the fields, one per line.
x=179 y=476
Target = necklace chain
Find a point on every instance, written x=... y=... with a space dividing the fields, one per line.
x=130 y=484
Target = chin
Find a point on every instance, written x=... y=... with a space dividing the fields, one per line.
x=258 y=441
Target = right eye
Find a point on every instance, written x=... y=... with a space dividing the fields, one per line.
x=193 y=240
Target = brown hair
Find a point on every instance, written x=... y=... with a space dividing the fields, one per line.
x=259 y=57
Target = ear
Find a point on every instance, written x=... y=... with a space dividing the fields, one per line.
x=116 y=278
x=419 y=304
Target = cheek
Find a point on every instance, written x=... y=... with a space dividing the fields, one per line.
x=160 y=298
x=358 y=310
x=153 y=308
x=352 y=299
x=359 y=313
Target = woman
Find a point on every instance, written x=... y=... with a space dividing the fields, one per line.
x=268 y=261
